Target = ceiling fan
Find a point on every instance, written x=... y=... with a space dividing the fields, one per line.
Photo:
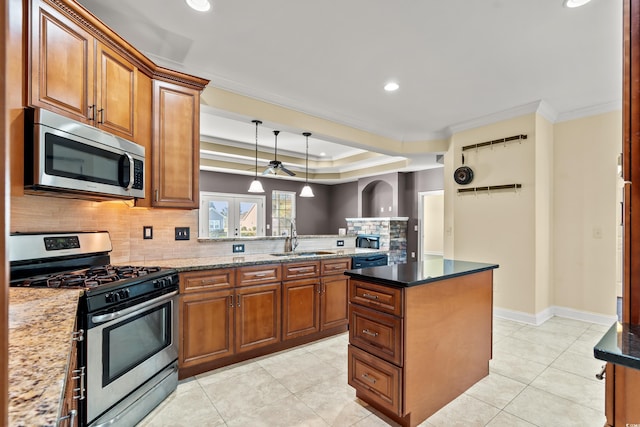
x=275 y=164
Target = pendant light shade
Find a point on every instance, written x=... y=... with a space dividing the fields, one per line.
x=306 y=190
x=256 y=186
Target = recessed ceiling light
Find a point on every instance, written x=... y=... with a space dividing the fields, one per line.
x=323 y=154
x=391 y=86
x=575 y=3
x=199 y=5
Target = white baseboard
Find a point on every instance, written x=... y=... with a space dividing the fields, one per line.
x=546 y=314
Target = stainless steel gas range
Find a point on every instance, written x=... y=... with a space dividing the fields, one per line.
x=128 y=315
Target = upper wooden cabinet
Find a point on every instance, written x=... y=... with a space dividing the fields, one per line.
x=176 y=148
x=74 y=74
x=80 y=68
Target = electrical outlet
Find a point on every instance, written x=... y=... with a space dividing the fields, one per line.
x=340 y=243
x=182 y=233
x=147 y=232
x=238 y=248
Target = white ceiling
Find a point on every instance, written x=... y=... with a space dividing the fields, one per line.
x=456 y=61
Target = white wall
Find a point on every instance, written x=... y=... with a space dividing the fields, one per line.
x=555 y=239
x=586 y=152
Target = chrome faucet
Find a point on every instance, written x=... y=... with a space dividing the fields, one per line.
x=291 y=241
x=294 y=235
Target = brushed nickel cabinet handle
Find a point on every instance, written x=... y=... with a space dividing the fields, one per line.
x=230 y=300
x=91 y=114
x=600 y=375
x=368 y=332
x=368 y=378
x=370 y=296
x=237 y=300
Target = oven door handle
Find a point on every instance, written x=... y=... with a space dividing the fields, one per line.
x=101 y=318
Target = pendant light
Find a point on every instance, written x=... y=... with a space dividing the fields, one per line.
x=256 y=186
x=306 y=190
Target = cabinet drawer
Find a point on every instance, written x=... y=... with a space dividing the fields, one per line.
x=378 y=297
x=377 y=333
x=207 y=280
x=375 y=379
x=257 y=274
x=335 y=266
x=300 y=270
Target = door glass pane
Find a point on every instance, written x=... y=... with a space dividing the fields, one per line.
x=248 y=219
x=218 y=218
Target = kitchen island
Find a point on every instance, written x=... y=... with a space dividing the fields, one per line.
x=420 y=334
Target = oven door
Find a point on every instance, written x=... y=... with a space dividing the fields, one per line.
x=128 y=347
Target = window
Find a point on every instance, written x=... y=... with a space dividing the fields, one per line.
x=231 y=215
x=283 y=212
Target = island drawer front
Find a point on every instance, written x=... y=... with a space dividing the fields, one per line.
x=377 y=333
x=375 y=379
x=258 y=274
x=378 y=297
x=300 y=270
x=335 y=266
x=207 y=280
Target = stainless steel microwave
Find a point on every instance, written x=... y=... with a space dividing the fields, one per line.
x=73 y=159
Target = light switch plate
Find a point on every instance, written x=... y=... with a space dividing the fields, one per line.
x=147 y=232
x=182 y=233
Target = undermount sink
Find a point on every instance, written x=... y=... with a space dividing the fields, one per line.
x=312 y=253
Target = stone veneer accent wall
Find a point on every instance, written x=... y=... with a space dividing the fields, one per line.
x=392 y=231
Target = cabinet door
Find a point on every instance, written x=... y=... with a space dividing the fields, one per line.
x=206 y=327
x=257 y=316
x=334 y=308
x=300 y=307
x=115 y=91
x=626 y=389
x=176 y=145
x=61 y=65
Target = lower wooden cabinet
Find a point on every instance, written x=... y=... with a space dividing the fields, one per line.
x=334 y=303
x=228 y=315
x=206 y=327
x=222 y=323
x=257 y=316
x=621 y=396
x=300 y=307
x=375 y=379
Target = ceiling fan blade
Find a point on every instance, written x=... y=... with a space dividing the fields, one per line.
x=287 y=171
x=269 y=170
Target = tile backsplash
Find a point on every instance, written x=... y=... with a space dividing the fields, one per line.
x=125 y=225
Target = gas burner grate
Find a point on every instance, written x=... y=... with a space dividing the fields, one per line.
x=90 y=278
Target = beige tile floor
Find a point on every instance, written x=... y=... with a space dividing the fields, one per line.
x=539 y=376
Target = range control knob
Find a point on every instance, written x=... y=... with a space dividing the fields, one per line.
x=123 y=293
x=108 y=297
x=160 y=283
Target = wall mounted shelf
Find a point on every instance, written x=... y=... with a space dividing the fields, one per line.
x=489 y=188
x=518 y=138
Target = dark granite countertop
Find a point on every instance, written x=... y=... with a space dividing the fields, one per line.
x=241 y=260
x=620 y=345
x=432 y=269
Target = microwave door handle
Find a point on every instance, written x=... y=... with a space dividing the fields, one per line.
x=131 y=171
